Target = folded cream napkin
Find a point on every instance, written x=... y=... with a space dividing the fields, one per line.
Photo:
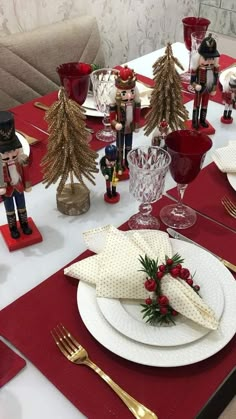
x=115 y=270
x=225 y=158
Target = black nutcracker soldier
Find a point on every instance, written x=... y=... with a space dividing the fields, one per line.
x=14 y=178
x=125 y=115
x=204 y=77
x=108 y=166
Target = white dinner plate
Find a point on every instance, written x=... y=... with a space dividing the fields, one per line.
x=90 y=107
x=172 y=356
x=126 y=316
x=232 y=179
x=25 y=144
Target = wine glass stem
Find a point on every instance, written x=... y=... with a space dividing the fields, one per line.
x=180 y=190
x=145 y=209
x=106 y=121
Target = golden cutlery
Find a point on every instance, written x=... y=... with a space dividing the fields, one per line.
x=75 y=353
x=229 y=206
x=44 y=107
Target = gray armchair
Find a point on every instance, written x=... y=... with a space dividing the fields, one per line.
x=28 y=60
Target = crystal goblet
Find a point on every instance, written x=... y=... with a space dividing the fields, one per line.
x=192 y=24
x=148 y=166
x=187 y=150
x=103 y=81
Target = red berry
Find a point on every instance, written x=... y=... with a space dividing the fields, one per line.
x=189 y=281
x=184 y=273
x=162 y=268
x=163 y=300
x=150 y=284
x=196 y=287
x=179 y=266
x=148 y=301
x=163 y=310
x=160 y=274
x=174 y=272
x=174 y=313
x=169 y=261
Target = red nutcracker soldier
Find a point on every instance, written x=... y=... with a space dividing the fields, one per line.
x=229 y=99
x=14 y=176
x=204 y=76
x=125 y=116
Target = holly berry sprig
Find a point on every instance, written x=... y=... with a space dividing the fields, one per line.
x=157 y=309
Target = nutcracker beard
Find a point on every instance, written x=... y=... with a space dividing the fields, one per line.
x=14 y=175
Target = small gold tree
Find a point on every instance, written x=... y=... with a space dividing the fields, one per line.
x=166 y=99
x=68 y=155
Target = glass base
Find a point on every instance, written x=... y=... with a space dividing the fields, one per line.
x=138 y=222
x=106 y=136
x=173 y=217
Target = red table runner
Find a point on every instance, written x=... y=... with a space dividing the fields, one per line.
x=10 y=363
x=205 y=192
x=170 y=392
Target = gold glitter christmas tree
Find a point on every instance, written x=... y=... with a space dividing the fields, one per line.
x=68 y=154
x=166 y=99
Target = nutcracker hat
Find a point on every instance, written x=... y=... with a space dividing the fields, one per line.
x=232 y=81
x=111 y=152
x=208 y=47
x=126 y=79
x=8 y=138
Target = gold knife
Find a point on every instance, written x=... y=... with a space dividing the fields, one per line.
x=179 y=236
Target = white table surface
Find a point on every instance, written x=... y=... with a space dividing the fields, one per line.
x=30 y=395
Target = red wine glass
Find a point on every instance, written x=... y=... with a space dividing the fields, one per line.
x=187 y=150
x=75 y=78
x=192 y=24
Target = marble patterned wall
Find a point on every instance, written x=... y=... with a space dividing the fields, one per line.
x=129 y=28
x=222 y=14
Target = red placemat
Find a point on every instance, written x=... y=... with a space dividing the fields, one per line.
x=10 y=363
x=205 y=192
x=170 y=392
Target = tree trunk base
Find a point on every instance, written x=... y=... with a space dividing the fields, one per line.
x=73 y=203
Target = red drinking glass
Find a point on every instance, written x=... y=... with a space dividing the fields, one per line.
x=192 y=24
x=75 y=78
x=187 y=150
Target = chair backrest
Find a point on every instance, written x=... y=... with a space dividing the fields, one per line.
x=28 y=60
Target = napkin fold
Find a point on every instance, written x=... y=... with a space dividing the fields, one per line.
x=10 y=363
x=116 y=270
x=225 y=158
x=144 y=94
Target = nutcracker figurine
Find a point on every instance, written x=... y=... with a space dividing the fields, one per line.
x=160 y=133
x=14 y=176
x=125 y=116
x=229 y=99
x=204 y=76
x=108 y=165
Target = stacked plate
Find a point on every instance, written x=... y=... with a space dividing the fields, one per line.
x=118 y=325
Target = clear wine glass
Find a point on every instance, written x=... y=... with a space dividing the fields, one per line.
x=192 y=24
x=148 y=166
x=103 y=81
x=187 y=150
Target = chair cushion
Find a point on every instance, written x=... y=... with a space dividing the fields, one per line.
x=29 y=60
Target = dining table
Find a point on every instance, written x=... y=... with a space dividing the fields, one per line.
x=37 y=381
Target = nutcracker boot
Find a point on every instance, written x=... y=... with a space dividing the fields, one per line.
x=113 y=189
x=225 y=114
x=11 y=219
x=127 y=150
x=22 y=214
x=195 y=124
x=203 y=122
x=229 y=114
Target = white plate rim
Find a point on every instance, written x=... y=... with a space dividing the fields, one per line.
x=232 y=180
x=24 y=142
x=150 y=355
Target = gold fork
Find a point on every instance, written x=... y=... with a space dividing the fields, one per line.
x=229 y=206
x=75 y=353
